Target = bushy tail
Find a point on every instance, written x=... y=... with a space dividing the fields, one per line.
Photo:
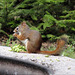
x=60 y=44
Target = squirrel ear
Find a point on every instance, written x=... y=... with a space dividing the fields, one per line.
x=23 y=23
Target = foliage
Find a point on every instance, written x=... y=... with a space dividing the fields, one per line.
x=18 y=48
x=6 y=8
x=69 y=52
x=51 y=17
x=72 y=39
x=8 y=41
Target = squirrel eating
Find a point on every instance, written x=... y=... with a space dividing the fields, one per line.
x=33 y=41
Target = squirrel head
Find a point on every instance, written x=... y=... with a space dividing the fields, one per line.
x=23 y=23
x=21 y=29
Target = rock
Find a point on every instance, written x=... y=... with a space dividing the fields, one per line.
x=59 y=65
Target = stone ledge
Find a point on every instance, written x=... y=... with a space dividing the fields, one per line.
x=60 y=65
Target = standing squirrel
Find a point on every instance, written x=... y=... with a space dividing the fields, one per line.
x=32 y=40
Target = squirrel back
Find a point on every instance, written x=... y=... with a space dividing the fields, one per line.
x=33 y=40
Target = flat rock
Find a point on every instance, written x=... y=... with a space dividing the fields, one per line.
x=59 y=65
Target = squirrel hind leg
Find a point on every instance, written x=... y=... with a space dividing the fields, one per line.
x=31 y=48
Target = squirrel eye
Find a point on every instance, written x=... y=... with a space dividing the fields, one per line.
x=17 y=28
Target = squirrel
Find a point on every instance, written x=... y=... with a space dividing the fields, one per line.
x=33 y=41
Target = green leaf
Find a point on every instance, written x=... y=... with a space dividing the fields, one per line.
x=18 y=48
x=73 y=29
x=48 y=20
x=34 y=17
x=50 y=36
x=0 y=26
x=43 y=36
x=45 y=25
x=47 y=55
x=34 y=28
x=55 y=1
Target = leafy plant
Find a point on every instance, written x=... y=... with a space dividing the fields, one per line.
x=48 y=20
x=18 y=48
x=6 y=8
x=51 y=17
x=69 y=52
x=9 y=40
x=72 y=40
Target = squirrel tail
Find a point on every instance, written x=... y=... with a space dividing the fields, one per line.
x=60 y=44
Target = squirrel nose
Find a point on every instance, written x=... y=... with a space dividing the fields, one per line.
x=14 y=31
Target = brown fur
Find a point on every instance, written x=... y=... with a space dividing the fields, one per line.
x=35 y=40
